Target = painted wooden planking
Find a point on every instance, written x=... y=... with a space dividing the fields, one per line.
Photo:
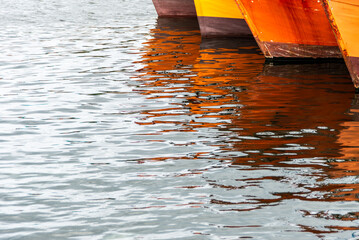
x=290 y=28
x=175 y=8
x=344 y=18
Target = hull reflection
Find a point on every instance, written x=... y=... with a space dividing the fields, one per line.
x=281 y=133
x=345 y=169
x=201 y=80
x=171 y=51
x=291 y=111
x=348 y=137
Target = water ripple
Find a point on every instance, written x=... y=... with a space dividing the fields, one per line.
x=117 y=125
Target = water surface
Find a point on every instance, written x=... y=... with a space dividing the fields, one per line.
x=118 y=125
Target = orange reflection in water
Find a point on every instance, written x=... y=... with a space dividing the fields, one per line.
x=221 y=73
x=348 y=137
x=202 y=74
x=294 y=110
x=298 y=116
x=347 y=165
x=170 y=53
x=279 y=112
x=298 y=112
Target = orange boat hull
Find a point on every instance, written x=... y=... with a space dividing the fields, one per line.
x=344 y=18
x=290 y=28
x=175 y=8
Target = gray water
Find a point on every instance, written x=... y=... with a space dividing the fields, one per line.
x=116 y=125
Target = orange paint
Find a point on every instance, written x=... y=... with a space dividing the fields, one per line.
x=344 y=17
x=290 y=28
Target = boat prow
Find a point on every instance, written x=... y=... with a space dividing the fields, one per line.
x=344 y=18
x=290 y=29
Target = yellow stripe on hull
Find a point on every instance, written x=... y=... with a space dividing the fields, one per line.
x=344 y=18
x=221 y=18
x=218 y=8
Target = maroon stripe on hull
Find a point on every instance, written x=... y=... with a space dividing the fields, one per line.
x=223 y=27
x=175 y=8
x=291 y=50
x=353 y=67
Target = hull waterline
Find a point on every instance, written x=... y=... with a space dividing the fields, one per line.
x=290 y=29
x=221 y=19
x=175 y=8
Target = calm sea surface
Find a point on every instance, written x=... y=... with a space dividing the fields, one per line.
x=117 y=125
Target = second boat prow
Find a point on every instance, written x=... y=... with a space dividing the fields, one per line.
x=290 y=29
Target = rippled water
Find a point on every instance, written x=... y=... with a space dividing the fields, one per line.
x=116 y=125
